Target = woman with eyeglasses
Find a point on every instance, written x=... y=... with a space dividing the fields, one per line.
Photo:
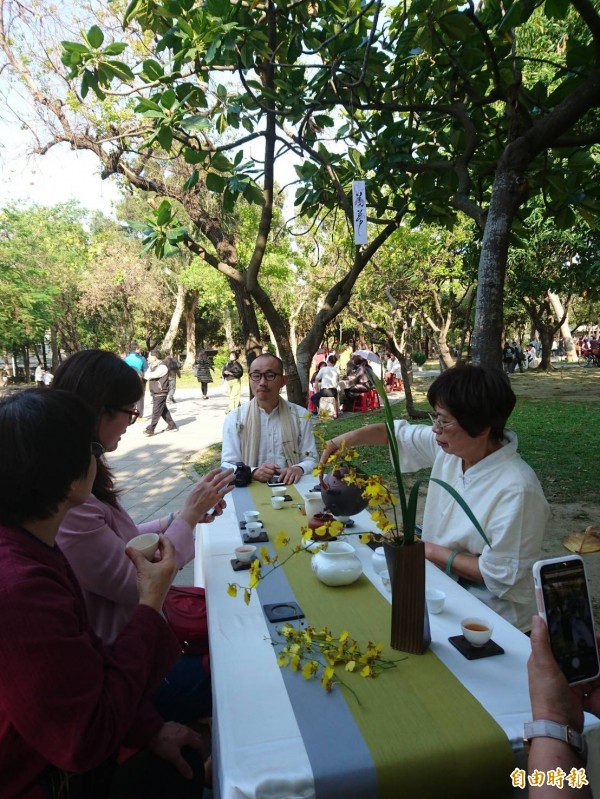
x=93 y=535
x=68 y=703
x=469 y=447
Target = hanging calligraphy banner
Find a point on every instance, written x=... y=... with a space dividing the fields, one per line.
x=359 y=206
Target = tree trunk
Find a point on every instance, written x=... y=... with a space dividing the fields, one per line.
x=487 y=331
x=228 y=327
x=546 y=337
x=190 y=305
x=248 y=320
x=565 y=329
x=167 y=343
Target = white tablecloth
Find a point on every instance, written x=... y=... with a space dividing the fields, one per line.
x=257 y=747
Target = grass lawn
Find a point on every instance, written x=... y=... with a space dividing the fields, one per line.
x=556 y=420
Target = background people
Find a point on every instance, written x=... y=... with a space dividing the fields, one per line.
x=139 y=364
x=174 y=369
x=232 y=374
x=66 y=703
x=157 y=376
x=469 y=448
x=269 y=434
x=202 y=372
x=326 y=383
x=39 y=375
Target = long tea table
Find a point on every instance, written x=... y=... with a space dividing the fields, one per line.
x=435 y=725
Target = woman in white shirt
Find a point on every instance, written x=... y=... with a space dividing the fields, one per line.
x=469 y=448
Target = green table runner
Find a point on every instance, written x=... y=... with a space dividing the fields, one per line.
x=428 y=736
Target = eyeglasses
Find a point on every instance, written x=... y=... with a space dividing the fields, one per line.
x=97 y=449
x=269 y=376
x=437 y=422
x=133 y=413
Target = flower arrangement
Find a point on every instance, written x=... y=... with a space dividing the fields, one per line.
x=316 y=653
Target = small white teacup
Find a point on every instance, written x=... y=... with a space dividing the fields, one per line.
x=251 y=516
x=245 y=553
x=147 y=544
x=477 y=631
x=278 y=491
x=378 y=560
x=435 y=599
x=277 y=502
x=385 y=579
x=253 y=529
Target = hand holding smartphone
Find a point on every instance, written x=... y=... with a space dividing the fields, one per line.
x=563 y=601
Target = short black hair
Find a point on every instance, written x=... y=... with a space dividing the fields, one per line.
x=270 y=355
x=477 y=397
x=45 y=440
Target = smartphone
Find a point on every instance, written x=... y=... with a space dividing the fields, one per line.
x=274 y=482
x=561 y=592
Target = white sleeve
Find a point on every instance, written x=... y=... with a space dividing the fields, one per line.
x=308 y=447
x=231 y=453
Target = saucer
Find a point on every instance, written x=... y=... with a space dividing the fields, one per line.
x=261 y=538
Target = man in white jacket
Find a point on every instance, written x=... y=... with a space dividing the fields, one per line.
x=272 y=436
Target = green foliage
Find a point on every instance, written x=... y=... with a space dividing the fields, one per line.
x=418 y=357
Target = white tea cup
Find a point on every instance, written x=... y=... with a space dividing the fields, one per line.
x=278 y=491
x=253 y=529
x=378 y=560
x=244 y=553
x=477 y=631
x=277 y=502
x=385 y=579
x=251 y=516
x=147 y=544
x=435 y=599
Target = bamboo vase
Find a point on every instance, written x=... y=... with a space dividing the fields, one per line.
x=410 y=620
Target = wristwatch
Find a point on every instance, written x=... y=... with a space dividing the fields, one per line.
x=561 y=732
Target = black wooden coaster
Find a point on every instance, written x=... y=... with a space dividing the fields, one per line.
x=488 y=650
x=240 y=565
x=261 y=538
x=283 y=611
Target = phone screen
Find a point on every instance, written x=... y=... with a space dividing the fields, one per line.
x=569 y=619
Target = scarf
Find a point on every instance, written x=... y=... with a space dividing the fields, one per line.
x=250 y=434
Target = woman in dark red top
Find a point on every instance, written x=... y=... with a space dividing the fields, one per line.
x=67 y=704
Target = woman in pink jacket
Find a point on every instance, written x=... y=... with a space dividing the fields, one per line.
x=93 y=535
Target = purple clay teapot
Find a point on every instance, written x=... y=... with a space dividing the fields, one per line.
x=322 y=519
x=340 y=498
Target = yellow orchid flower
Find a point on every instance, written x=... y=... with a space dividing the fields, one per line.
x=247 y=595
x=281 y=540
x=232 y=589
x=367 y=671
x=350 y=665
x=282 y=659
x=264 y=555
x=310 y=669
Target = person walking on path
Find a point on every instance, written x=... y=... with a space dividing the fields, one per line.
x=202 y=372
x=232 y=373
x=174 y=368
x=136 y=360
x=157 y=376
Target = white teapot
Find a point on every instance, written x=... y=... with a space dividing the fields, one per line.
x=337 y=565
